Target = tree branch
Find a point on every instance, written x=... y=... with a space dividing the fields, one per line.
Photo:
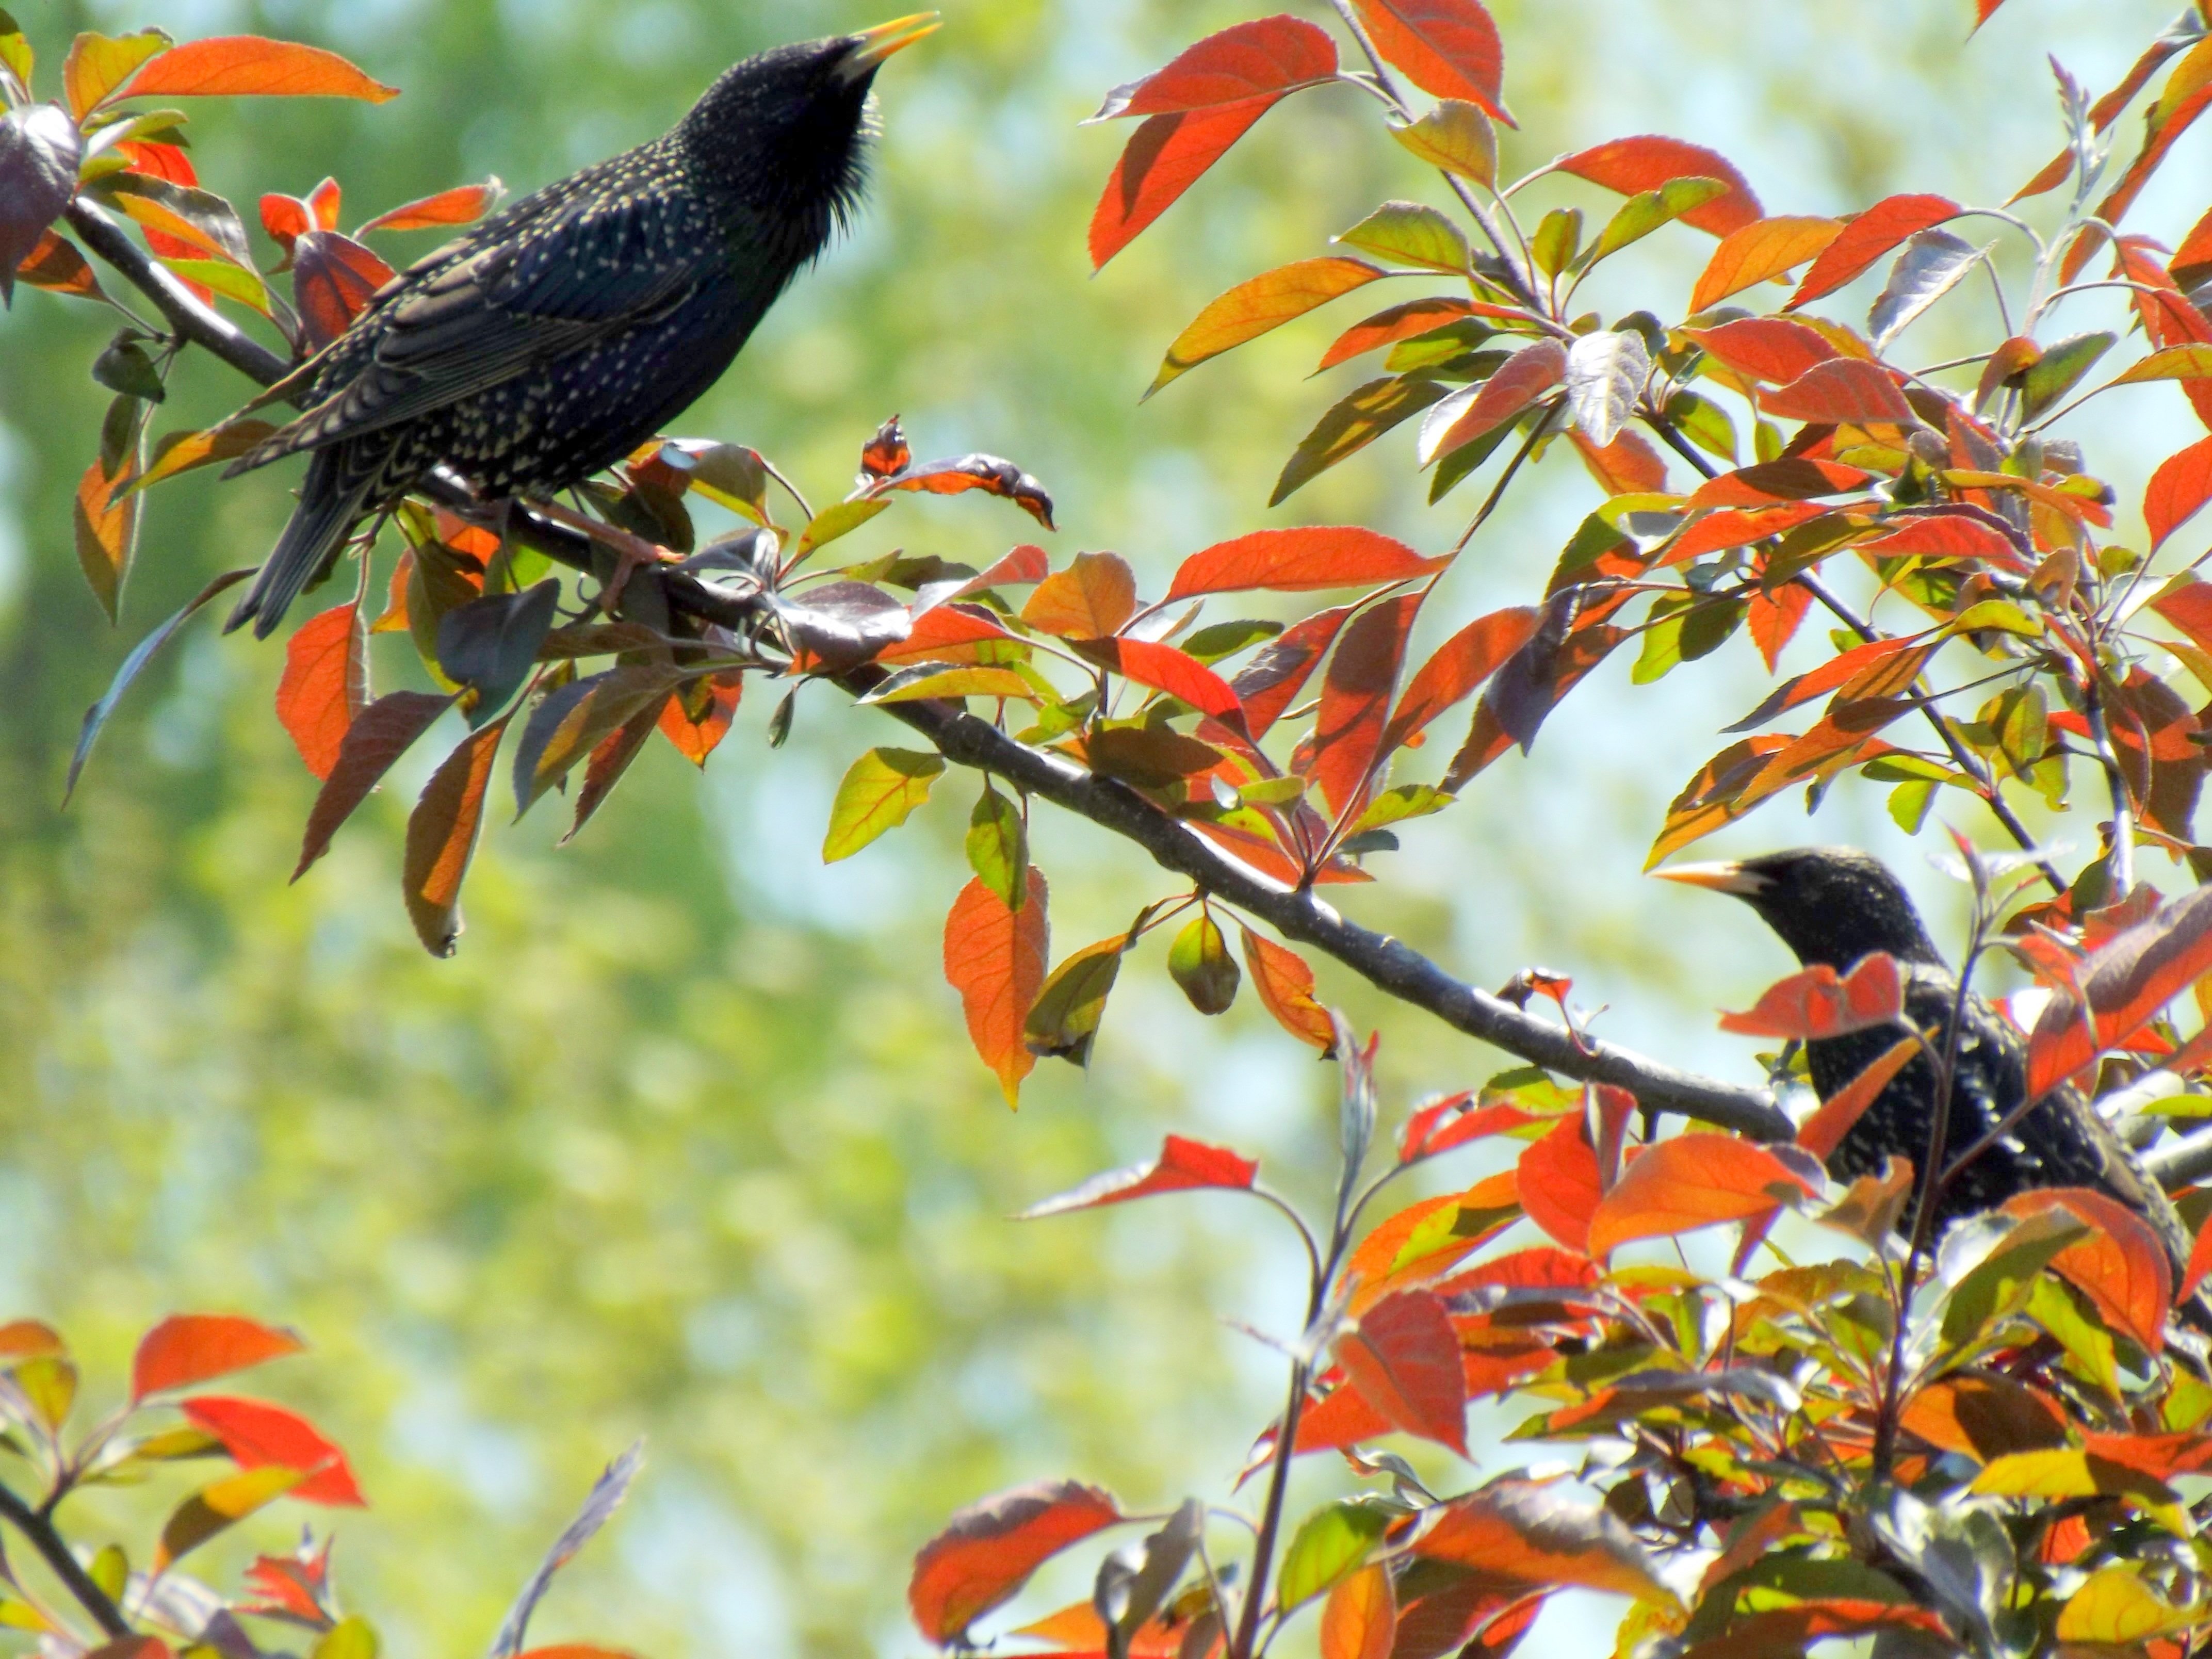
x=1388 y=963
x=56 y=1553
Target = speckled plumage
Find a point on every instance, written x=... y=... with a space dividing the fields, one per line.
x=552 y=338
x=1833 y=906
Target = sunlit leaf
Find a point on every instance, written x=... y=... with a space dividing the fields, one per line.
x=1267 y=57
x=1689 y=1181
x=880 y=792
x=1559 y=1182
x=1360 y=1619
x=258 y=1435
x=1758 y=251
x=1252 y=308
x=1355 y=700
x=1866 y=237
x=1818 y=1002
x=1182 y=1164
x=1298 y=561
x=442 y=838
x=987 y=1551
x=1090 y=599
x=1410 y=233
x=1404 y=1358
x=1525 y=1532
x=1329 y=1546
x=1352 y=424
x=995 y=958
x=1448 y=48
x=1285 y=985
x=238 y=65
x=1164 y=158
x=1632 y=166
x=1200 y=963
x=1605 y=374
x=1843 y=390
x=218 y=1506
x=460 y=205
x=1455 y=136
x=325 y=684
x=99 y=64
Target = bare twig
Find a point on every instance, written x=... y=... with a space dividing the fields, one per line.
x=36 y=1527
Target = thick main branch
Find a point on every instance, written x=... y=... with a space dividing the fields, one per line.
x=1387 y=963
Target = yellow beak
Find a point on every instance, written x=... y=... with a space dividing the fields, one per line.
x=881 y=41
x=1720 y=878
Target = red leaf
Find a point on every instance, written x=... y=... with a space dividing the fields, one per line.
x=1299 y=560
x=1560 y=1182
x=379 y=736
x=286 y=218
x=1285 y=985
x=1526 y=1532
x=1947 y=536
x=1343 y=1418
x=696 y=739
x=1773 y=619
x=1271 y=681
x=1164 y=668
x=1448 y=48
x=461 y=205
x=325 y=684
x=1846 y=390
x=1819 y=1003
x=1400 y=322
x=1627 y=465
x=1163 y=159
x=1025 y=563
x=1773 y=348
x=442 y=838
x=1359 y=1620
x=1887 y=224
x=1266 y=58
x=1182 y=1165
x=2200 y=1259
x=987 y=1551
x=1794 y=479
x=333 y=278
x=323 y=203
x=2192 y=260
x=2125 y=981
x=188 y=1348
x=1460 y=664
x=256 y=1434
x=239 y=65
x=1355 y=699
x=1693 y=1180
x=1824 y=1131
x=996 y=959
x=1403 y=1357
x=1631 y=166
x=2121 y=1265
x=1737 y=527
x=1525 y=376
x=2182 y=485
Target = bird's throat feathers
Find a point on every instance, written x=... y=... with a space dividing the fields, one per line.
x=784 y=138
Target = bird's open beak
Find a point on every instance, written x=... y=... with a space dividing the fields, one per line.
x=1721 y=878
x=881 y=41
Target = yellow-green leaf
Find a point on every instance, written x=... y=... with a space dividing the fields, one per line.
x=1065 y=1017
x=1411 y=234
x=1457 y=137
x=838 y=518
x=219 y=1505
x=879 y=793
x=98 y=64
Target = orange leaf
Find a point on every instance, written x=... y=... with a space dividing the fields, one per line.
x=2125 y=981
x=1298 y=560
x=1773 y=348
x=1794 y=479
x=1355 y=700
x=1527 y=1532
x=2120 y=1266
x=325 y=684
x=56 y=266
x=1264 y=57
x=30 y=1339
x=1252 y=308
x=2182 y=485
x=1359 y=1620
x=989 y=1551
x=106 y=524
x=1756 y=251
x=1342 y=1419
x=188 y=1348
x=1087 y=601
x=238 y=66
x=257 y=1434
x=1285 y=985
x=1824 y=1131
x=1163 y=158
x=1818 y=1002
x=460 y=205
x=1737 y=527
x=2200 y=1259
x=1558 y=1183
x=1400 y=322
x=1403 y=1357
x=442 y=838
x=1627 y=465
x=379 y=736
x=696 y=739
x=1166 y=669
x=1448 y=48
x=1693 y=1180
x=1182 y=1165
x=1846 y=390
x=1272 y=680
x=1460 y=664
x=1772 y=619
x=1465 y=416
x=1631 y=166
x=995 y=958
x=1865 y=238
x=332 y=278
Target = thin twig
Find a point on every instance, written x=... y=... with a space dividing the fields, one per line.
x=39 y=1530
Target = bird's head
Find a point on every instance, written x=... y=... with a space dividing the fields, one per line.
x=786 y=132
x=1829 y=904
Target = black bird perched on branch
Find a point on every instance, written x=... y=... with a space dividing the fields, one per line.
x=1834 y=907
x=551 y=339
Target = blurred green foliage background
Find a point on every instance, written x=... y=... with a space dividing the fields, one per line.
x=688 y=1141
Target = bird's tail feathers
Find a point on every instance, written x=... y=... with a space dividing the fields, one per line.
x=328 y=509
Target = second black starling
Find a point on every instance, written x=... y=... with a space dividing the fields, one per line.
x=550 y=340
x=1833 y=907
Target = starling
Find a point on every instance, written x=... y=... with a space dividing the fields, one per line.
x=1833 y=907
x=557 y=336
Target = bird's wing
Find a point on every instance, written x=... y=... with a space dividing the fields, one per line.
x=558 y=285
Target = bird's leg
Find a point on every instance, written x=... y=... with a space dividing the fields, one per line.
x=630 y=551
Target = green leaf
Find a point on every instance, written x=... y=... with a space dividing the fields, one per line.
x=1331 y=1544
x=1455 y=343
x=1413 y=234
x=1457 y=137
x=1225 y=639
x=1064 y=1020
x=232 y=282
x=879 y=793
x=1352 y=425
x=1200 y=961
x=1407 y=801
x=1705 y=423
x=1641 y=215
x=838 y=518
x=15 y=52
x=1556 y=239
x=2059 y=370
x=1999 y=1285
x=999 y=847
x=110 y=1571
x=936 y=680
x=96 y=716
x=351 y=1638
x=124 y=367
